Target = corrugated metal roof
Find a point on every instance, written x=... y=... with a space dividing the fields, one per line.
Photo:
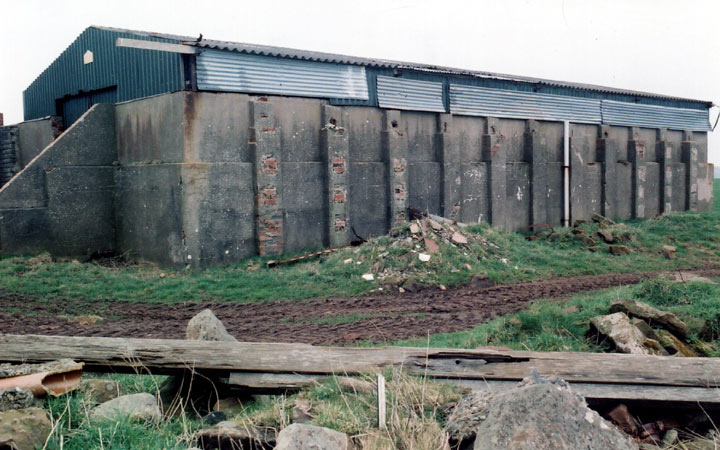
x=226 y=71
x=306 y=55
x=414 y=95
x=477 y=101
x=630 y=114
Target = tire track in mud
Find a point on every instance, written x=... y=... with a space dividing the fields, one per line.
x=378 y=318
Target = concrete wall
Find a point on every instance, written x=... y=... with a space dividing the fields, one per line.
x=62 y=202
x=35 y=135
x=211 y=178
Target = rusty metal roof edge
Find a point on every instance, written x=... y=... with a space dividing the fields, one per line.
x=308 y=55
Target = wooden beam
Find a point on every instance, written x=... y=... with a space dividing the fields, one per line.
x=154 y=45
x=166 y=355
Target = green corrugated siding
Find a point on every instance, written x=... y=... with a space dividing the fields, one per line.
x=135 y=73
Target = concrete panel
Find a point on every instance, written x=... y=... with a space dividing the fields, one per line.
x=364 y=125
x=151 y=129
x=26 y=190
x=518 y=196
x=420 y=128
x=514 y=133
x=621 y=135
x=227 y=218
x=653 y=188
x=25 y=231
x=305 y=205
x=593 y=189
x=34 y=136
x=705 y=180
x=475 y=202
x=701 y=140
x=149 y=219
x=555 y=201
x=679 y=187
x=552 y=132
x=589 y=134
x=424 y=178
x=81 y=210
x=369 y=200
x=674 y=139
x=649 y=136
x=300 y=121
x=216 y=128
x=469 y=132
x=624 y=190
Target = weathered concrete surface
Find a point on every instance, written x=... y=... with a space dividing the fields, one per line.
x=34 y=136
x=63 y=201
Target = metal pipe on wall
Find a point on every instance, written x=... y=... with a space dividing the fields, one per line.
x=566 y=173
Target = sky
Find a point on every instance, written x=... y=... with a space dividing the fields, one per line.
x=664 y=46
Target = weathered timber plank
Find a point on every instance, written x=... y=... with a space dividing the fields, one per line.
x=709 y=397
x=481 y=363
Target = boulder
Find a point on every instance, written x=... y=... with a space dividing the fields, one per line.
x=230 y=434
x=16 y=398
x=24 y=429
x=140 y=407
x=626 y=337
x=606 y=235
x=669 y=251
x=206 y=327
x=634 y=308
x=300 y=436
x=544 y=414
x=98 y=390
x=673 y=345
x=619 y=250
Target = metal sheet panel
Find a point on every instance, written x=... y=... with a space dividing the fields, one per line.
x=477 y=101
x=237 y=72
x=632 y=114
x=414 y=95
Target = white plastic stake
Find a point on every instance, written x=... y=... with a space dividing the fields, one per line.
x=381 y=402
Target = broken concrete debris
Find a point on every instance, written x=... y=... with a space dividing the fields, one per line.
x=624 y=336
x=634 y=308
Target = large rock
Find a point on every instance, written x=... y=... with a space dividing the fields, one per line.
x=234 y=435
x=24 y=429
x=544 y=415
x=626 y=337
x=206 y=327
x=16 y=398
x=98 y=390
x=634 y=308
x=300 y=436
x=674 y=345
x=141 y=407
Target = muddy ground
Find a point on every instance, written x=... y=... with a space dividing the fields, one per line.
x=377 y=318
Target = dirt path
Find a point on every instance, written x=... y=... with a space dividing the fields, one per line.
x=377 y=318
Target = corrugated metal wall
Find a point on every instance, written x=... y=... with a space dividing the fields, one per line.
x=629 y=114
x=477 y=101
x=135 y=73
x=219 y=70
x=413 y=95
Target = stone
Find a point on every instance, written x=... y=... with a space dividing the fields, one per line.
x=414 y=228
x=86 y=319
x=466 y=416
x=302 y=411
x=368 y=276
x=206 y=327
x=669 y=251
x=300 y=436
x=355 y=385
x=670 y=438
x=214 y=418
x=703 y=348
x=653 y=316
x=602 y=220
x=24 y=429
x=542 y=414
x=431 y=245
x=98 y=390
x=606 y=235
x=619 y=250
x=16 y=398
x=458 y=238
x=585 y=239
x=141 y=407
x=424 y=257
x=620 y=415
x=675 y=346
x=626 y=337
x=231 y=434
x=435 y=225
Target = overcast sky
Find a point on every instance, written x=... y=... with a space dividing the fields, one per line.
x=665 y=46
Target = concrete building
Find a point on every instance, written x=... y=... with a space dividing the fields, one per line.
x=218 y=151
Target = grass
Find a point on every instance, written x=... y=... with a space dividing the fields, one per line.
x=552 y=325
x=498 y=255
